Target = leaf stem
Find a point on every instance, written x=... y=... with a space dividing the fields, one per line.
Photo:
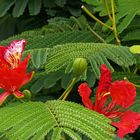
x=96 y=34
x=138 y=86
x=108 y=11
x=114 y=23
x=135 y=69
x=93 y=17
x=68 y=90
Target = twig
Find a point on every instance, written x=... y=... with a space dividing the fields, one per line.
x=108 y=11
x=114 y=23
x=96 y=34
x=68 y=90
x=96 y=19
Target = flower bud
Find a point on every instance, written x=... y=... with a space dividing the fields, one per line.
x=27 y=94
x=79 y=66
x=135 y=49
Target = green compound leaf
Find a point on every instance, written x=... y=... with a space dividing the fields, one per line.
x=34 y=120
x=96 y=53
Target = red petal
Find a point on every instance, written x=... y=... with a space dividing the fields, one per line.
x=18 y=43
x=123 y=93
x=18 y=94
x=3 y=63
x=3 y=97
x=130 y=115
x=13 y=53
x=13 y=79
x=27 y=78
x=84 y=90
x=129 y=122
x=88 y=103
x=104 y=84
x=105 y=80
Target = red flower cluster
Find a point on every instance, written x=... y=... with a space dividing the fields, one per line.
x=112 y=100
x=13 y=70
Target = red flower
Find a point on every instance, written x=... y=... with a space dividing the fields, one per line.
x=112 y=99
x=129 y=122
x=13 y=71
x=122 y=95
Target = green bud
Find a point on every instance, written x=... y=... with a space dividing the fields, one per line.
x=135 y=49
x=27 y=94
x=79 y=66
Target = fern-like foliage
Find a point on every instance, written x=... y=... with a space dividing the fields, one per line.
x=37 y=39
x=58 y=61
x=19 y=7
x=62 y=56
x=34 y=120
x=61 y=24
x=133 y=31
x=134 y=78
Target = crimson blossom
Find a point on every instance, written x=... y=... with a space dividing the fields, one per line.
x=113 y=99
x=12 y=70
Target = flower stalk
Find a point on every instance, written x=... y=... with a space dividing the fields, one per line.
x=68 y=90
x=79 y=67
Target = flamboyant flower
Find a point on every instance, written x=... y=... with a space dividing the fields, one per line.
x=12 y=70
x=129 y=122
x=121 y=93
x=112 y=98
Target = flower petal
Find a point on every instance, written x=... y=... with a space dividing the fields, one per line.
x=102 y=90
x=105 y=80
x=3 y=97
x=17 y=77
x=88 y=103
x=3 y=63
x=84 y=92
x=129 y=122
x=27 y=78
x=13 y=53
x=18 y=94
x=123 y=93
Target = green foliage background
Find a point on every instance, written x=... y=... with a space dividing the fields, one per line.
x=60 y=33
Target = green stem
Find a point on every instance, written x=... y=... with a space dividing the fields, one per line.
x=108 y=11
x=96 y=19
x=78 y=23
x=114 y=23
x=68 y=90
x=128 y=70
x=96 y=34
x=135 y=70
x=22 y=101
x=138 y=86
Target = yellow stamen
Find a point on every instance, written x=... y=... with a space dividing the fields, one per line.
x=106 y=94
